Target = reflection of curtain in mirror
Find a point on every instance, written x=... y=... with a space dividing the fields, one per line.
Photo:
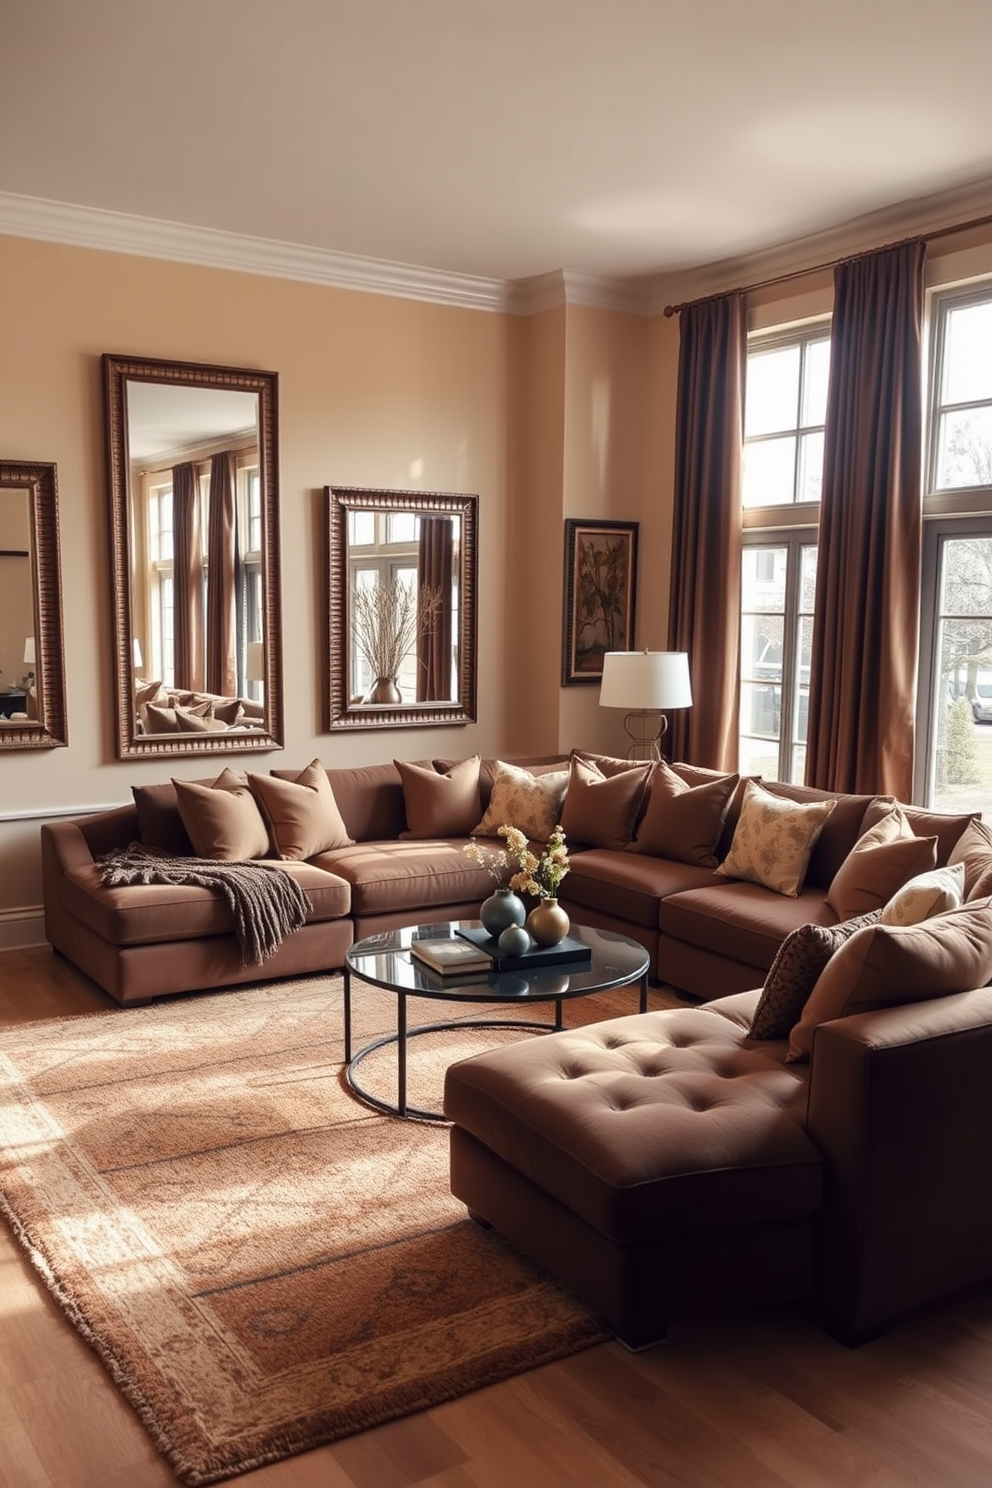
x=187 y=580
x=434 y=641
x=222 y=578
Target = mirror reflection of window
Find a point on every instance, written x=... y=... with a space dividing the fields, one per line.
x=383 y=551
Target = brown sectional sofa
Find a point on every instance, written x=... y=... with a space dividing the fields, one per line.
x=707 y=935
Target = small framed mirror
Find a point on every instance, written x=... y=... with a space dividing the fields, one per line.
x=32 y=658
x=402 y=571
x=193 y=466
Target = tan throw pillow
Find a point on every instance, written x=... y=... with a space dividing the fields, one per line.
x=441 y=805
x=881 y=861
x=793 y=974
x=600 y=810
x=682 y=821
x=302 y=814
x=973 y=850
x=889 y=965
x=222 y=819
x=926 y=895
x=192 y=721
x=773 y=840
x=519 y=799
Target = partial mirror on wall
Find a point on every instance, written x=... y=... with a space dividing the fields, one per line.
x=32 y=660
x=402 y=574
x=192 y=453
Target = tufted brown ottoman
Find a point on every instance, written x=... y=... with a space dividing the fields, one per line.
x=655 y=1164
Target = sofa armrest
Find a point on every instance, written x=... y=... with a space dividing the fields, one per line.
x=900 y=1105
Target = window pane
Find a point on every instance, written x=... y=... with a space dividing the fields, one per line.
x=968 y=354
x=772 y=395
x=401 y=527
x=361 y=529
x=807 y=579
x=964 y=448
x=966 y=579
x=814 y=409
x=769 y=472
x=756 y=757
x=961 y=745
x=763 y=578
x=810 y=467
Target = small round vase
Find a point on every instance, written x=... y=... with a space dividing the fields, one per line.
x=514 y=941
x=501 y=909
x=548 y=923
x=384 y=692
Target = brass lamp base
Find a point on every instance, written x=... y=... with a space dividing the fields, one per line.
x=645 y=728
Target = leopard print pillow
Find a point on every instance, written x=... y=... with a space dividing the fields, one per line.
x=794 y=972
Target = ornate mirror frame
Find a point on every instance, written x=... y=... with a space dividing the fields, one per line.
x=49 y=729
x=343 y=712
x=119 y=371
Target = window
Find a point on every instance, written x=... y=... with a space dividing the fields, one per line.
x=383 y=549
x=954 y=757
x=784 y=413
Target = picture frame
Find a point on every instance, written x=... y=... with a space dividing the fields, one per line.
x=600 y=596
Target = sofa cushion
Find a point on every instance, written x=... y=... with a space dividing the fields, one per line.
x=743 y=921
x=683 y=821
x=628 y=887
x=301 y=815
x=774 y=839
x=885 y=857
x=794 y=973
x=889 y=965
x=600 y=810
x=441 y=803
x=223 y=819
x=521 y=799
x=973 y=850
x=417 y=877
x=648 y=1126
x=925 y=895
x=147 y=914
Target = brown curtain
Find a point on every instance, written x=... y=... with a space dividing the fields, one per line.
x=434 y=561
x=866 y=626
x=222 y=547
x=187 y=571
x=704 y=608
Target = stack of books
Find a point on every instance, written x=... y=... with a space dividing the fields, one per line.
x=451 y=957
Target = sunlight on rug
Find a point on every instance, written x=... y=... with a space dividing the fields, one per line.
x=262 y=1263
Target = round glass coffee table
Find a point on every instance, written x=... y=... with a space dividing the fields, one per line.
x=386 y=961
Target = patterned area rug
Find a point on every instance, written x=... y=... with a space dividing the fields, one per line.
x=263 y=1263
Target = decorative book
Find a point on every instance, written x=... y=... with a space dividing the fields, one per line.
x=453 y=957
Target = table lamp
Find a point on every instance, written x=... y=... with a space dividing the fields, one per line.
x=646 y=683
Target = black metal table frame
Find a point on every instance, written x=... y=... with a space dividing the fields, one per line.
x=404 y=1033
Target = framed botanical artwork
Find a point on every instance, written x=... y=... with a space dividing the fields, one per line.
x=600 y=583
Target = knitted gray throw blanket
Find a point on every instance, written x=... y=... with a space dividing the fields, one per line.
x=267 y=903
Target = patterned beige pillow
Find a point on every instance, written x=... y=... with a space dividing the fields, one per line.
x=519 y=799
x=773 y=840
x=794 y=972
x=926 y=895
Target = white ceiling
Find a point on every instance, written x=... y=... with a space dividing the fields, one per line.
x=498 y=138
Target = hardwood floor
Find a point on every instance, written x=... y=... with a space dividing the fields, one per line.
x=755 y=1401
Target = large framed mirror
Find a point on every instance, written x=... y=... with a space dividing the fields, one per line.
x=193 y=467
x=402 y=571
x=32 y=657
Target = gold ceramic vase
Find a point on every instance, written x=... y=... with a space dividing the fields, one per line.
x=548 y=923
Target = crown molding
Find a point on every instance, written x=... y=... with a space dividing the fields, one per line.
x=564 y=287
x=150 y=237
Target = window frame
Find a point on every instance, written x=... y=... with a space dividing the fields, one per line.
x=793 y=538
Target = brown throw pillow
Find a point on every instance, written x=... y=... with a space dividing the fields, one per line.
x=681 y=821
x=888 y=965
x=881 y=861
x=973 y=849
x=793 y=974
x=302 y=815
x=159 y=822
x=441 y=805
x=600 y=810
x=222 y=819
x=519 y=799
x=773 y=840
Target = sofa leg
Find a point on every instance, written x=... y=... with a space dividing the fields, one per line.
x=479 y=1220
x=643 y=1345
x=852 y=1338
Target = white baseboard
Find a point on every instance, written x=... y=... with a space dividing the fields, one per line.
x=22 y=927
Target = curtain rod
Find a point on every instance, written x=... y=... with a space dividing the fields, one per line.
x=833 y=263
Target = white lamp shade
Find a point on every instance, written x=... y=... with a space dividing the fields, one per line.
x=255 y=662
x=29 y=651
x=646 y=679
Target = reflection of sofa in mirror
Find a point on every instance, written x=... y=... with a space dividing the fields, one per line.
x=170 y=710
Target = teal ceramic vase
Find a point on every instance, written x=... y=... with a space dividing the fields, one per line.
x=502 y=909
